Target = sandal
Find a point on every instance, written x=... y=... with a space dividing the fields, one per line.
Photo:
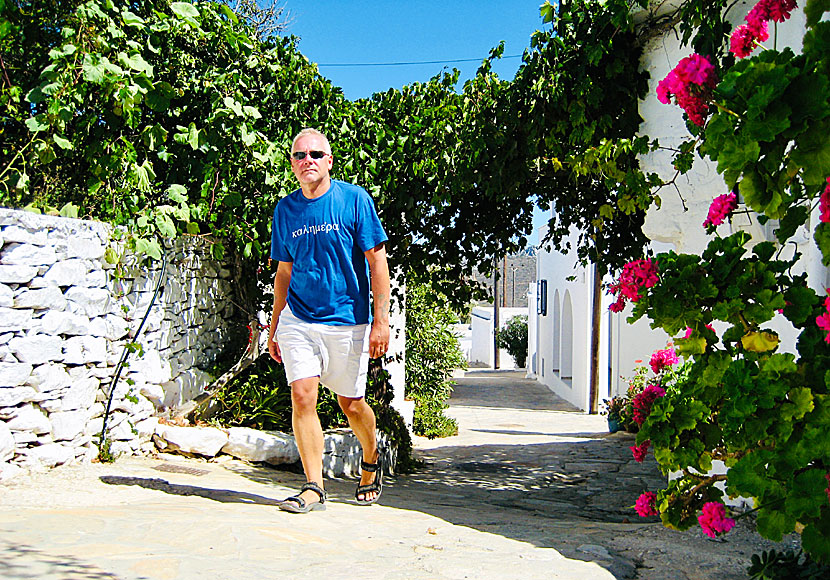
x=297 y=505
x=376 y=485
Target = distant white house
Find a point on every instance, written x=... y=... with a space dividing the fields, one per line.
x=559 y=352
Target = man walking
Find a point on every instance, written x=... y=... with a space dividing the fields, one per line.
x=330 y=248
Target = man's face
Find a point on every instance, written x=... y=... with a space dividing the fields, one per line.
x=309 y=170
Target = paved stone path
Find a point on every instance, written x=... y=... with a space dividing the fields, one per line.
x=528 y=489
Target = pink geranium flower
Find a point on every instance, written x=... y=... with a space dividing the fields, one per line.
x=643 y=401
x=721 y=207
x=640 y=451
x=645 y=505
x=662 y=359
x=713 y=520
x=747 y=36
x=635 y=275
x=824 y=204
x=690 y=83
x=823 y=320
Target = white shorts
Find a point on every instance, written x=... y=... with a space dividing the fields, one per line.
x=339 y=355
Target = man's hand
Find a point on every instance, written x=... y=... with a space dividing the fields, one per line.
x=378 y=339
x=274 y=350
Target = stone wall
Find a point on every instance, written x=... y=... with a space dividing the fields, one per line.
x=66 y=316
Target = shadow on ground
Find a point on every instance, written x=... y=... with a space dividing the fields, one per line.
x=21 y=562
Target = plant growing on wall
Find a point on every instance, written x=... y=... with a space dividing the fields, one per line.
x=765 y=413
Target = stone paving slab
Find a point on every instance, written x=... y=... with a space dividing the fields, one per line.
x=528 y=489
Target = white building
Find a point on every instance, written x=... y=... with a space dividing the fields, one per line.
x=559 y=353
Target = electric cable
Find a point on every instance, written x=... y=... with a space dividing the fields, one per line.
x=125 y=353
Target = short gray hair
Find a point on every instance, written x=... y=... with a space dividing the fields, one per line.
x=308 y=131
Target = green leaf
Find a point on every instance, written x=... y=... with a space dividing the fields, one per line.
x=110 y=255
x=144 y=175
x=166 y=227
x=177 y=193
x=184 y=10
x=773 y=523
x=822 y=238
x=233 y=105
x=93 y=69
x=158 y=99
x=136 y=62
x=62 y=142
x=69 y=210
x=812 y=153
x=815 y=9
x=252 y=112
x=147 y=246
x=218 y=251
x=131 y=19
x=36 y=124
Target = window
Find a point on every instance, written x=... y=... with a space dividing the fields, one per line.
x=542 y=297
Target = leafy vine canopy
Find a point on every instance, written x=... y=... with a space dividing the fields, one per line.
x=173 y=118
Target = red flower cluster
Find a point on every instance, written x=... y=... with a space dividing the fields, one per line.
x=827 y=477
x=635 y=275
x=691 y=83
x=639 y=451
x=645 y=505
x=721 y=207
x=747 y=36
x=713 y=520
x=823 y=319
x=824 y=204
x=662 y=359
x=643 y=401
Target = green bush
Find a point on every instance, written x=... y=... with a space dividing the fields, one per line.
x=260 y=398
x=513 y=337
x=432 y=353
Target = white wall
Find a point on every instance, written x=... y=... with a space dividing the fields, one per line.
x=481 y=347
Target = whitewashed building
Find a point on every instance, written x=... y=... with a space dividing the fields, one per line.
x=559 y=353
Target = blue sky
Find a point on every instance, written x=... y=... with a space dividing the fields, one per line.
x=348 y=32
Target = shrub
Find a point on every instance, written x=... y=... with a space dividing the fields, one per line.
x=432 y=353
x=513 y=337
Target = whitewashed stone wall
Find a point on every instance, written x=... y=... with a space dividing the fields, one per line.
x=66 y=315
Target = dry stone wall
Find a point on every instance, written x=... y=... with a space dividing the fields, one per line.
x=66 y=316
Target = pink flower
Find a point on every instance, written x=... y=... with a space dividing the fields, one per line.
x=743 y=40
x=643 y=401
x=645 y=505
x=635 y=275
x=721 y=207
x=827 y=477
x=691 y=83
x=779 y=10
x=824 y=204
x=713 y=520
x=662 y=359
x=823 y=320
x=639 y=451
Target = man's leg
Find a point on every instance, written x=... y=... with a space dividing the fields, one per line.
x=307 y=431
x=362 y=421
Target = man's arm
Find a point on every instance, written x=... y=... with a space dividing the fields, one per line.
x=379 y=271
x=281 y=281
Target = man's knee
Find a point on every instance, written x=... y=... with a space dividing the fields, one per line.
x=353 y=407
x=304 y=394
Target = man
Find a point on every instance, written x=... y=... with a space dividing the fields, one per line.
x=324 y=235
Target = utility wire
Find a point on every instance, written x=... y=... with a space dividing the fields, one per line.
x=365 y=64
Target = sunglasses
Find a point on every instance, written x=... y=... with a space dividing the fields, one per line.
x=300 y=155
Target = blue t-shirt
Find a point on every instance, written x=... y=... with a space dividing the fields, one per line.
x=324 y=239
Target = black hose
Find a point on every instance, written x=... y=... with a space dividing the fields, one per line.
x=125 y=353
